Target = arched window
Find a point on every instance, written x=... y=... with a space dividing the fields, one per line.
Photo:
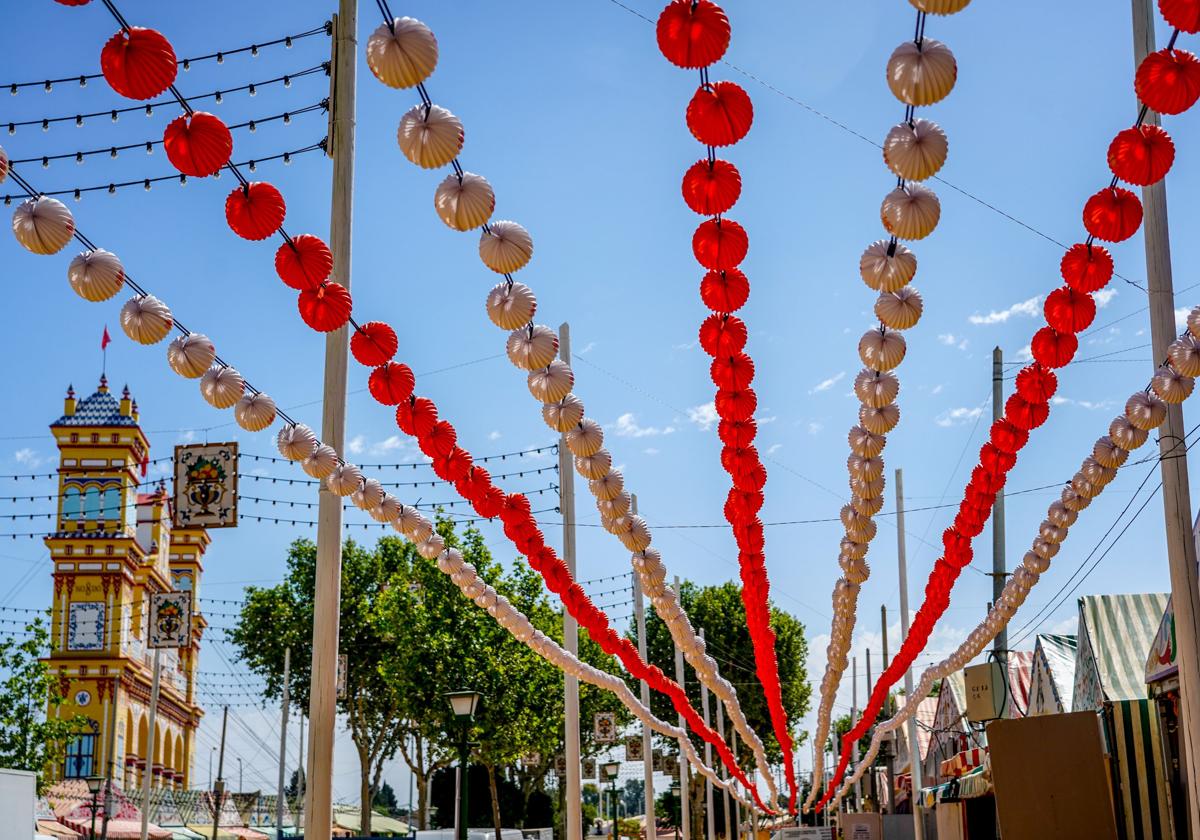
x=91 y=503
x=112 y=503
x=70 y=505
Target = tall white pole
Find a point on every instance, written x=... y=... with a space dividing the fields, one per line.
x=639 y=616
x=301 y=786
x=566 y=481
x=146 y=776
x=725 y=774
x=322 y=709
x=853 y=718
x=709 y=815
x=1177 y=504
x=737 y=807
x=914 y=749
x=685 y=807
x=1000 y=644
x=283 y=722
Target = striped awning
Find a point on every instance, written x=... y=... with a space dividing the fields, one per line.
x=1132 y=731
x=970 y=786
x=1115 y=631
x=964 y=762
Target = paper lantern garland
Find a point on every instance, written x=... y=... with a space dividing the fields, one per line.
x=922 y=73
x=303 y=262
x=198 y=144
x=96 y=275
x=402 y=53
x=692 y=34
x=146 y=319
x=325 y=308
x=43 y=225
x=191 y=355
x=1168 y=81
x=505 y=247
x=138 y=63
x=255 y=211
x=430 y=136
x=374 y=343
x=464 y=202
x=222 y=387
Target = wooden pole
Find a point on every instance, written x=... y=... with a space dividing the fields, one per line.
x=685 y=808
x=914 y=750
x=853 y=719
x=639 y=615
x=283 y=722
x=111 y=758
x=322 y=708
x=1177 y=504
x=710 y=824
x=999 y=565
x=154 y=687
x=301 y=786
x=219 y=785
x=566 y=481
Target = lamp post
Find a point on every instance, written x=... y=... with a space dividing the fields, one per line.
x=94 y=783
x=608 y=773
x=463 y=704
x=677 y=792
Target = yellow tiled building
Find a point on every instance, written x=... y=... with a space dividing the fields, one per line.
x=113 y=546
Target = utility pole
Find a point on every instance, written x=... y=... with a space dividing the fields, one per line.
x=886 y=750
x=737 y=806
x=219 y=784
x=725 y=775
x=322 y=708
x=914 y=749
x=872 y=791
x=301 y=777
x=110 y=756
x=639 y=615
x=1177 y=504
x=685 y=806
x=566 y=494
x=710 y=825
x=283 y=722
x=150 y=724
x=1000 y=645
x=853 y=718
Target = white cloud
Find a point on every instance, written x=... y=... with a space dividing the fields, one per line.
x=587 y=348
x=27 y=457
x=957 y=416
x=494 y=434
x=627 y=426
x=1102 y=405
x=1180 y=318
x=952 y=340
x=1025 y=354
x=650 y=450
x=815 y=427
x=187 y=436
x=773 y=448
x=1104 y=297
x=388 y=444
x=762 y=421
x=936 y=389
x=704 y=416
x=826 y=384
x=357 y=444
x=1028 y=308
x=690 y=345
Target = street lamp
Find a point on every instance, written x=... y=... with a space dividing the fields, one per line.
x=463 y=704
x=677 y=792
x=608 y=773
x=94 y=783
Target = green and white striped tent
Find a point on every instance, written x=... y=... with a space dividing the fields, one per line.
x=1115 y=631
x=1052 y=680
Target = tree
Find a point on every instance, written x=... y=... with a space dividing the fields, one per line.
x=385 y=800
x=633 y=795
x=293 y=788
x=29 y=738
x=720 y=612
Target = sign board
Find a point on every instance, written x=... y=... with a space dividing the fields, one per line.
x=532 y=759
x=805 y=832
x=170 y=620
x=671 y=767
x=343 y=665
x=560 y=765
x=656 y=761
x=987 y=692
x=604 y=727
x=589 y=768
x=633 y=748
x=1161 y=663
x=865 y=826
x=206 y=490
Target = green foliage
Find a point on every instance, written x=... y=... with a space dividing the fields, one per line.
x=29 y=739
x=385 y=800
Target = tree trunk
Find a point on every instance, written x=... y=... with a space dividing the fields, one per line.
x=365 y=800
x=491 y=771
x=422 y=812
x=696 y=812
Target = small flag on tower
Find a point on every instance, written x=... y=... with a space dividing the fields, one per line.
x=105 y=339
x=145 y=463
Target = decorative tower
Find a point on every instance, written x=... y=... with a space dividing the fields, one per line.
x=112 y=547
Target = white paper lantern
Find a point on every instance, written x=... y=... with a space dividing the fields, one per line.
x=940 y=7
x=899 y=310
x=511 y=306
x=96 y=275
x=586 y=438
x=608 y=486
x=422 y=530
x=505 y=247
x=402 y=55
x=594 y=466
x=876 y=389
x=1052 y=533
x=1184 y=354
x=867 y=507
x=1193 y=322
x=430 y=136
x=615 y=506
x=1073 y=500
x=886 y=266
x=867 y=489
x=222 y=387
x=881 y=348
x=1126 y=435
x=464 y=202
x=1097 y=473
x=865 y=444
x=879 y=420
x=911 y=211
x=146 y=320
x=431 y=547
x=921 y=74
x=853 y=550
x=915 y=151
x=855 y=570
x=191 y=355
x=1145 y=412
x=254 y=412
x=43 y=225
x=551 y=383
x=1108 y=453
x=868 y=469
x=321 y=463
x=296 y=442
x=1171 y=386
x=388 y=509
x=633 y=533
x=368 y=496
x=1061 y=515
x=532 y=347
x=564 y=415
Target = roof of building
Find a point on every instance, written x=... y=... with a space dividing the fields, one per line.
x=1121 y=629
x=1059 y=652
x=100 y=409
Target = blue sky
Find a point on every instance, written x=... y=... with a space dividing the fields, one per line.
x=577 y=121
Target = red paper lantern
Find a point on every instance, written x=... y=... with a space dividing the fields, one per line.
x=733 y=371
x=373 y=343
x=1069 y=311
x=990 y=483
x=711 y=187
x=303 y=262
x=750 y=536
x=737 y=458
x=1008 y=438
x=488 y=503
x=747 y=502
x=454 y=466
x=516 y=506
x=1181 y=14
x=995 y=461
x=474 y=484
x=1113 y=214
x=255 y=211
x=440 y=441
x=1053 y=349
x=197 y=144
x=1086 y=268
x=325 y=308
x=753 y=477
x=1141 y=155
x=1024 y=414
x=736 y=404
x=138 y=63
x=968 y=523
x=977 y=498
x=737 y=432
x=1168 y=81
x=954 y=542
x=720 y=244
x=73 y=2
x=722 y=335
x=692 y=34
x=720 y=114
x=724 y=291
x=393 y=383
x=1036 y=383
x=416 y=416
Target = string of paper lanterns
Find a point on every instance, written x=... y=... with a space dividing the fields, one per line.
x=695 y=35
x=431 y=137
x=1128 y=431
x=920 y=72
x=1140 y=155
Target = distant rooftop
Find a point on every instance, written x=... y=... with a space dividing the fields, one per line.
x=100 y=409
